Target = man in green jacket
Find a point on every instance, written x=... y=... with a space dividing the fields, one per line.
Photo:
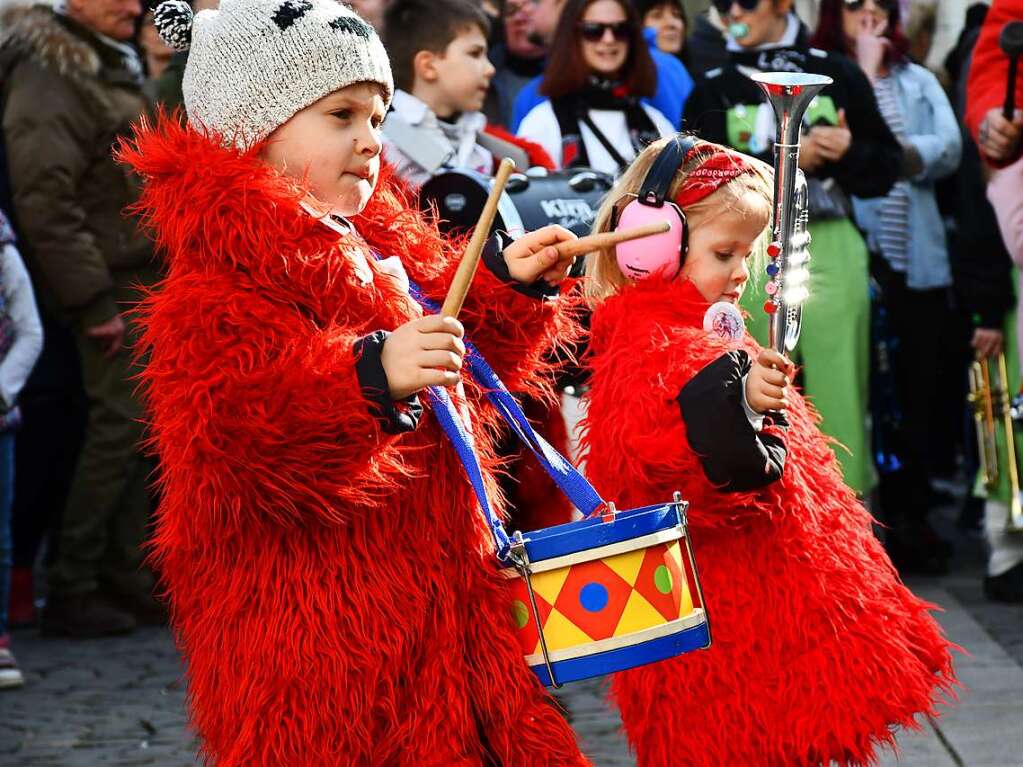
x=71 y=84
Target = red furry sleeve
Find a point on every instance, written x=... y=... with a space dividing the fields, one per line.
x=639 y=451
x=256 y=409
x=989 y=71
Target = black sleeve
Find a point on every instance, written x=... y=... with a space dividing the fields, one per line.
x=981 y=266
x=395 y=417
x=873 y=162
x=734 y=455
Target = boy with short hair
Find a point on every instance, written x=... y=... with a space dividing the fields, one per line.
x=332 y=581
x=438 y=49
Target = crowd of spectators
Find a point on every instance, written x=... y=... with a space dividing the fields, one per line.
x=916 y=214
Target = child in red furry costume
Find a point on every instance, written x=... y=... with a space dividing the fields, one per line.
x=818 y=651
x=333 y=585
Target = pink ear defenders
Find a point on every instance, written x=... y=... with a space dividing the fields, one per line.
x=663 y=253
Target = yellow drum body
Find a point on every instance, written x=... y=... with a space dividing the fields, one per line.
x=631 y=598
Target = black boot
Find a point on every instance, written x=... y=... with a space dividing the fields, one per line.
x=140 y=604
x=83 y=616
x=916 y=549
x=1007 y=587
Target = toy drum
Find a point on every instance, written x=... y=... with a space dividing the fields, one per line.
x=607 y=593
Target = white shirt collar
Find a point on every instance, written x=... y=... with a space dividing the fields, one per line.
x=409 y=108
x=415 y=111
x=343 y=226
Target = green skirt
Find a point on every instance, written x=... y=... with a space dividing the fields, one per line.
x=834 y=345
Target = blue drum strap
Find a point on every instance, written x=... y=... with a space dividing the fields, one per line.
x=449 y=419
x=573 y=484
x=578 y=490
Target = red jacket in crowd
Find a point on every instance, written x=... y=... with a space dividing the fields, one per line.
x=989 y=72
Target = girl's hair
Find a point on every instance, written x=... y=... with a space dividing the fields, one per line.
x=566 y=72
x=604 y=277
x=831 y=37
x=643 y=7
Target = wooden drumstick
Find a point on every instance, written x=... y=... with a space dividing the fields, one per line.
x=471 y=259
x=593 y=242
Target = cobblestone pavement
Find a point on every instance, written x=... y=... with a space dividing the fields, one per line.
x=121 y=701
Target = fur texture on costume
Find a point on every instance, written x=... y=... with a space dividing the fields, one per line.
x=333 y=588
x=818 y=649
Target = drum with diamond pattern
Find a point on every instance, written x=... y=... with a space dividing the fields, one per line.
x=610 y=592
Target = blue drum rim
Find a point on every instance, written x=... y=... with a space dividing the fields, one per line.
x=594 y=532
x=633 y=656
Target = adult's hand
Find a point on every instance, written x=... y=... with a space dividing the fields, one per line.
x=987 y=342
x=810 y=157
x=998 y=138
x=833 y=141
x=871 y=44
x=109 y=335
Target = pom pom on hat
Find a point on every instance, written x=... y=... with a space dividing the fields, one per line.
x=173 y=20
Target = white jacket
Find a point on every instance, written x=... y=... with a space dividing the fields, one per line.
x=541 y=125
x=28 y=330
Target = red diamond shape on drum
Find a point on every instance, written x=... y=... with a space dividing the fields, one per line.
x=593 y=598
x=522 y=615
x=660 y=580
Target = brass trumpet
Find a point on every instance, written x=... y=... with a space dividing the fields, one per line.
x=994 y=409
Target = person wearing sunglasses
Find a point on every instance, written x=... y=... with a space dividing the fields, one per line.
x=673 y=82
x=846 y=149
x=598 y=70
x=909 y=256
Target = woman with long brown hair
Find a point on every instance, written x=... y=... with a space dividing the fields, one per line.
x=598 y=70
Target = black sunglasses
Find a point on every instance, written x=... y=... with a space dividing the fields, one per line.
x=594 y=30
x=724 y=6
x=855 y=5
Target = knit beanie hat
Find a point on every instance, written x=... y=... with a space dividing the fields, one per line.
x=253 y=64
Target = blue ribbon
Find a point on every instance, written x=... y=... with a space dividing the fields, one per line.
x=578 y=490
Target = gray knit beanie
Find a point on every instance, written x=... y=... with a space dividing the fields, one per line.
x=253 y=64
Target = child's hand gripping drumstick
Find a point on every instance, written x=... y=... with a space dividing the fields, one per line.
x=548 y=253
x=429 y=351
x=594 y=242
x=471 y=259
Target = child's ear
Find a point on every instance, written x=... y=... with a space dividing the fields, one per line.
x=424 y=66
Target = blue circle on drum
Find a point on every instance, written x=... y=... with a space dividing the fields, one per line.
x=593 y=597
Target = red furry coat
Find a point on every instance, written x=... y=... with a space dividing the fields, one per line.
x=333 y=587
x=818 y=648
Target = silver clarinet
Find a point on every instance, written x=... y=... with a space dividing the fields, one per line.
x=789 y=95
